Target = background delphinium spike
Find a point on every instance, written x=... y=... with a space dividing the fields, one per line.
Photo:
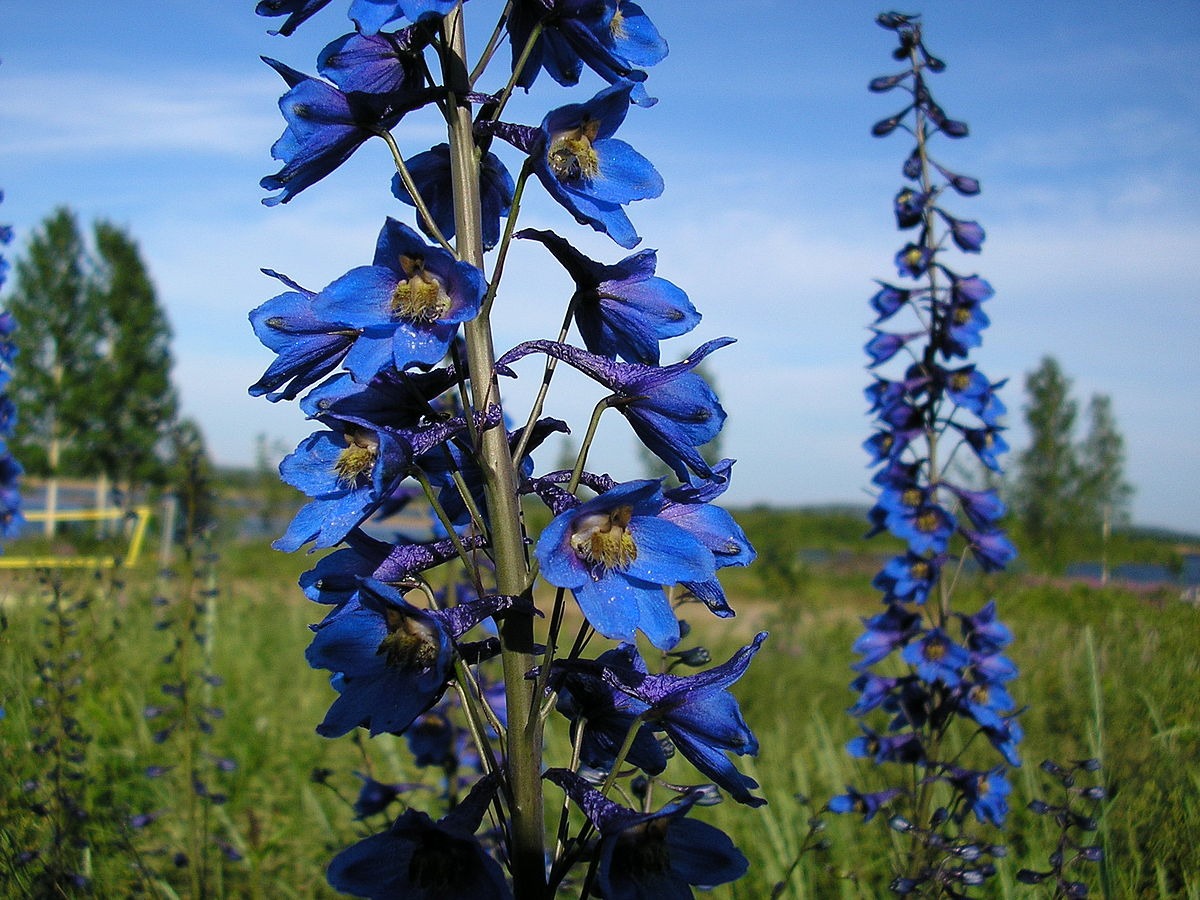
x=73 y=819
x=928 y=667
x=397 y=368
x=185 y=769
x=10 y=469
x=1076 y=811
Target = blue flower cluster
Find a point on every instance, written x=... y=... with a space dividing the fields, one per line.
x=923 y=665
x=393 y=362
x=10 y=469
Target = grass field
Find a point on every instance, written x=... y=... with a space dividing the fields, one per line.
x=1104 y=673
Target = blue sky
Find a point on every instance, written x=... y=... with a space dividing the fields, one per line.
x=776 y=216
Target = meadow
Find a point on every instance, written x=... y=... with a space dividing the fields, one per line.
x=1105 y=672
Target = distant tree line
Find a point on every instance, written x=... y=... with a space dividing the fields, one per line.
x=1069 y=492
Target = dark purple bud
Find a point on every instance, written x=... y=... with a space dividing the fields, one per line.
x=1053 y=768
x=1075 y=889
x=886 y=82
x=901 y=824
x=903 y=886
x=887 y=126
x=180 y=860
x=231 y=853
x=894 y=21
x=694 y=657
x=1091 y=854
x=142 y=820
x=1093 y=793
x=1089 y=765
x=1056 y=860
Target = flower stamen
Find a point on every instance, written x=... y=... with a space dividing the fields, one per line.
x=571 y=156
x=420 y=297
x=603 y=539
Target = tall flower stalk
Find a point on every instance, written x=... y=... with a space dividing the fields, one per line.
x=397 y=366
x=10 y=469
x=934 y=707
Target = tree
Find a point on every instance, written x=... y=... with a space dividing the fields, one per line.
x=133 y=402
x=1104 y=492
x=1046 y=495
x=56 y=347
x=92 y=387
x=55 y=343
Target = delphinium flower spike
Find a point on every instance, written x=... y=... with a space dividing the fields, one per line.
x=395 y=362
x=925 y=667
x=10 y=469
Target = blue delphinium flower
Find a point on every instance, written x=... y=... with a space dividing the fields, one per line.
x=612 y=37
x=671 y=409
x=392 y=660
x=297 y=11
x=643 y=855
x=372 y=15
x=308 y=347
x=587 y=170
x=377 y=64
x=10 y=469
x=324 y=128
x=700 y=716
x=421 y=859
x=622 y=310
x=430 y=172
x=607 y=714
x=867 y=804
x=407 y=305
x=943 y=683
x=616 y=553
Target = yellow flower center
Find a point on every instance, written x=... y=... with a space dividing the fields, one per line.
x=420 y=297
x=960 y=381
x=617 y=25
x=571 y=156
x=934 y=651
x=357 y=460
x=927 y=522
x=911 y=497
x=410 y=642
x=603 y=539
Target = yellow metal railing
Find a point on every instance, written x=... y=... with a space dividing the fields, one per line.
x=140 y=515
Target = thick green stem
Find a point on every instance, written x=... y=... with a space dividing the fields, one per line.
x=524 y=757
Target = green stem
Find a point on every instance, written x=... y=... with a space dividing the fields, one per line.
x=411 y=187
x=523 y=761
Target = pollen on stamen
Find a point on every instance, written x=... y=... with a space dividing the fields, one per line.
x=571 y=156
x=357 y=460
x=603 y=539
x=420 y=297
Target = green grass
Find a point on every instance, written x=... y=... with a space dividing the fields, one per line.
x=1102 y=672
